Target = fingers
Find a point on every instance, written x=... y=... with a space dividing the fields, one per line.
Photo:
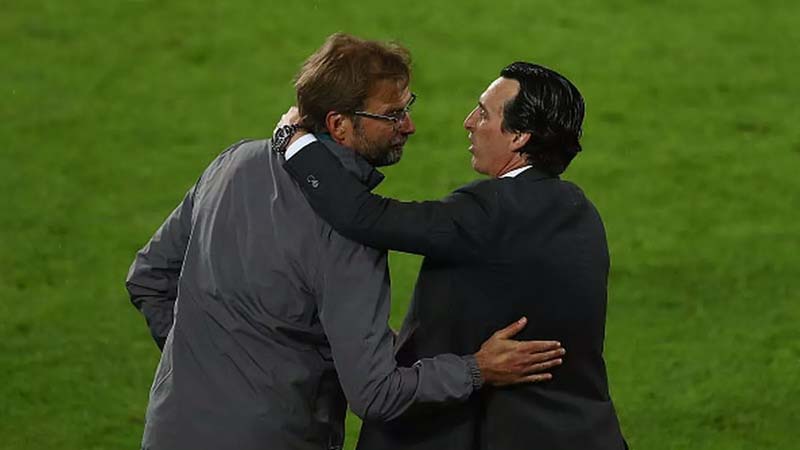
x=545 y=356
x=290 y=117
x=535 y=378
x=293 y=115
x=538 y=363
x=537 y=346
x=512 y=329
x=542 y=366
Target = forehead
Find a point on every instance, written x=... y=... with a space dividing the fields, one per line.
x=499 y=92
x=388 y=93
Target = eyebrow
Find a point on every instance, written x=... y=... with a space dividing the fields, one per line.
x=397 y=108
x=393 y=109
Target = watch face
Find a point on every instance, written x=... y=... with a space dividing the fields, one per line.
x=282 y=136
x=287 y=130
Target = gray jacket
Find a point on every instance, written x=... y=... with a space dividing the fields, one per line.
x=269 y=320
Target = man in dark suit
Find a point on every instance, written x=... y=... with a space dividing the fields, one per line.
x=521 y=243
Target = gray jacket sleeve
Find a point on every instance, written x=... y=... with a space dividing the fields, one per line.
x=354 y=312
x=152 y=280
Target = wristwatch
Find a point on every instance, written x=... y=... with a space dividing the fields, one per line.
x=280 y=140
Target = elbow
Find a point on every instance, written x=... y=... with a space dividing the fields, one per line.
x=385 y=400
x=366 y=408
x=362 y=411
x=136 y=294
x=369 y=413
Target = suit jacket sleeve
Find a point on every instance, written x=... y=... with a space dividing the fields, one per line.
x=152 y=280
x=451 y=229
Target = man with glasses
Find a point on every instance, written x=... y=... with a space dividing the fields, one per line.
x=270 y=322
x=396 y=117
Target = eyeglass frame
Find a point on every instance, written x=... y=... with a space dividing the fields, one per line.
x=396 y=118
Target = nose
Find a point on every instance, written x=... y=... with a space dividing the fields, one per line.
x=469 y=122
x=407 y=125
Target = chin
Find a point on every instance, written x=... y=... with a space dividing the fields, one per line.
x=474 y=164
x=393 y=156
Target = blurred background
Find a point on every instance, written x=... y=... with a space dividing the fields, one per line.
x=110 y=110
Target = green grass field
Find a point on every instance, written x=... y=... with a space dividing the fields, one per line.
x=110 y=110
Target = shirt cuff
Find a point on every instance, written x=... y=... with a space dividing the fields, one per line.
x=299 y=145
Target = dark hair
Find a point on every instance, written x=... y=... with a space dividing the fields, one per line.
x=550 y=108
x=339 y=76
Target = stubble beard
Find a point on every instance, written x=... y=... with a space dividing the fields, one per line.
x=377 y=153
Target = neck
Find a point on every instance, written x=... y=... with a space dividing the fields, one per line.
x=513 y=164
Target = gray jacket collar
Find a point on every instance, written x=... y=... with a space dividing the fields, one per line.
x=353 y=162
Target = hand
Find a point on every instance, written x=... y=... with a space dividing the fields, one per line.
x=504 y=361
x=290 y=117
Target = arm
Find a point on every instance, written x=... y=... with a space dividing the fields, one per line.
x=354 y=309
x=152 y=280
x=450 y=229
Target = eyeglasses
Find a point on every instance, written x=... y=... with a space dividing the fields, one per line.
x=395 y=117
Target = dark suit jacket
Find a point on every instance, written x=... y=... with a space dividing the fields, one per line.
x=496 y=250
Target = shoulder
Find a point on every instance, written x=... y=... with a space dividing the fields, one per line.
x=495 y=189
x=535 y=184
x=237 y=154
x=243 y=146
x=247 y=147
x=488 y=188
x=528 y=191
x=477 y=201
x=571 y=192
x=242 y=149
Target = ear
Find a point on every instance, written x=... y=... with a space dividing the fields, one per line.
x=519 y=140
x=339 y=126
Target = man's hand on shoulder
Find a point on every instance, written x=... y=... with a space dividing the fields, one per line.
x=503 y=361
x=291 y=117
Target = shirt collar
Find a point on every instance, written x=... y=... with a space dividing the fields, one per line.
x=515 y=172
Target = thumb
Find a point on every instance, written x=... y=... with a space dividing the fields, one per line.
x=512 y=329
